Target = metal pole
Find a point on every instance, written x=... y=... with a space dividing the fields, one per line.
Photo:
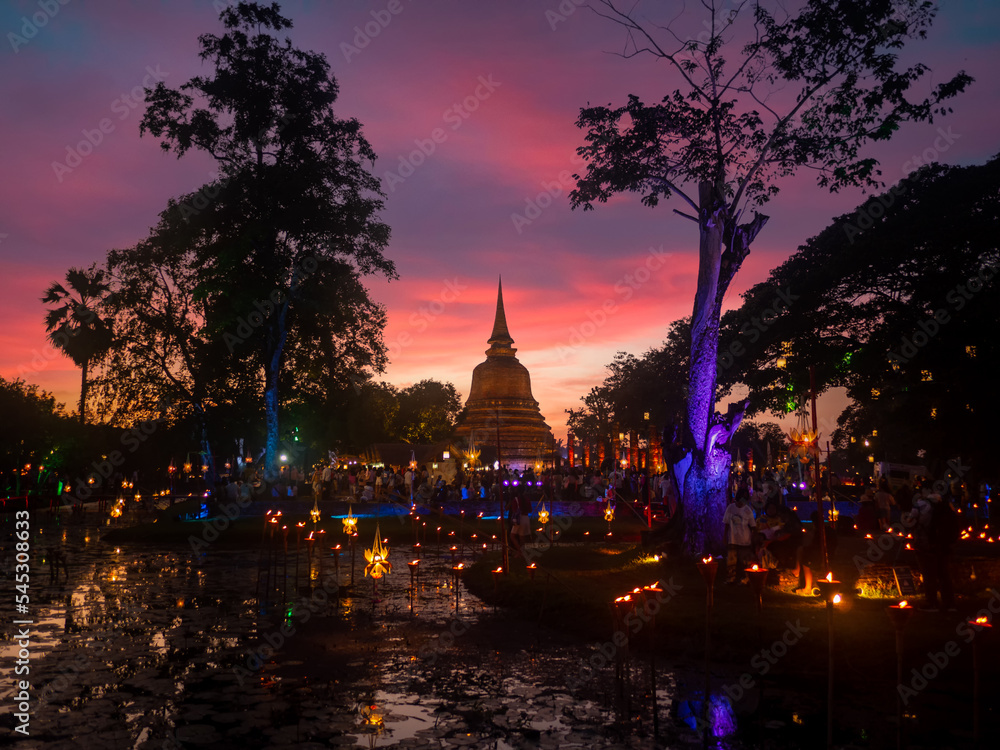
x=899 y=681
x=829 y=675
x=976 y=724
x=503 y=524
x=819 y=496
x=352 y=558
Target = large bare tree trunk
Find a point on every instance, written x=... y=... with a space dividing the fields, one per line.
x=704 y=485
x=722 y=246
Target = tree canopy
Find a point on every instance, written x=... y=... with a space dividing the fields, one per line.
x=285 y=233
x=763 y=94
x=895 y=302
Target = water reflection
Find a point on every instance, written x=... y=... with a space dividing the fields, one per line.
x=162 y=648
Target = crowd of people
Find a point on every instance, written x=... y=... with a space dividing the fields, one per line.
x=369 y=483
x=761 y=525
x=761 y=529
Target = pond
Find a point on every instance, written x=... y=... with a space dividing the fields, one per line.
x=164 y=648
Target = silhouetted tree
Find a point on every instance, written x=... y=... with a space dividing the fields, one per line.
x=808 y=90
x=293 y=215
x=76 y=324
x=896 y=302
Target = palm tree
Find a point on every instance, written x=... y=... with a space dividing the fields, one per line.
x=75 y=326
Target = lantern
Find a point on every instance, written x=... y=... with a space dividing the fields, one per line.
x=350 y=523
x=377 y=557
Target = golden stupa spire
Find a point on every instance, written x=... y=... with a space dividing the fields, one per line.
x=500 y=340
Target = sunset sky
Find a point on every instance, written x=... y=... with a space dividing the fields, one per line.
x=503 y=83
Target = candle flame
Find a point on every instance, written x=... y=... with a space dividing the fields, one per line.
x=904 y=604
x=755 y=567
x=706 y=559
x=499 y=570
x=982 y=620
x=829 y=576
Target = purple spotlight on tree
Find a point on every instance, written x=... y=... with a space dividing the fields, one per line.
x=721 y=142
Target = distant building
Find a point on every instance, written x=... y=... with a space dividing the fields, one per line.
x=501 y=408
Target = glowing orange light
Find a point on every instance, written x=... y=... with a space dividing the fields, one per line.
x=350 y=522
x=904 y=604
x=377 y=557
x=982 y=620
x=836 y=598
x=829 y=577
x=706 y=560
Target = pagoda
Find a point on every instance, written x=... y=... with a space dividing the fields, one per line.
x=500 y=408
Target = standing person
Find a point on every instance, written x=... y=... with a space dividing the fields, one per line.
x=524 y=524
x=904 y=498
x=936 y=530
x=668 y=491
x=959 y=498
x=317 y=483
x=810 y=554
x=408 y=482
x=738 y=521
x=327 y=477
x=867 y=519
x=883 y=504
x=514 y=522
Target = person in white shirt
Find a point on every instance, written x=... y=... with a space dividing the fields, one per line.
x=738 y=520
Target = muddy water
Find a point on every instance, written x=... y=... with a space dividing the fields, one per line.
x=163 y=648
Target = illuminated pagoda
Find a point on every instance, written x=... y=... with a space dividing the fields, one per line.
x=500 y=405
